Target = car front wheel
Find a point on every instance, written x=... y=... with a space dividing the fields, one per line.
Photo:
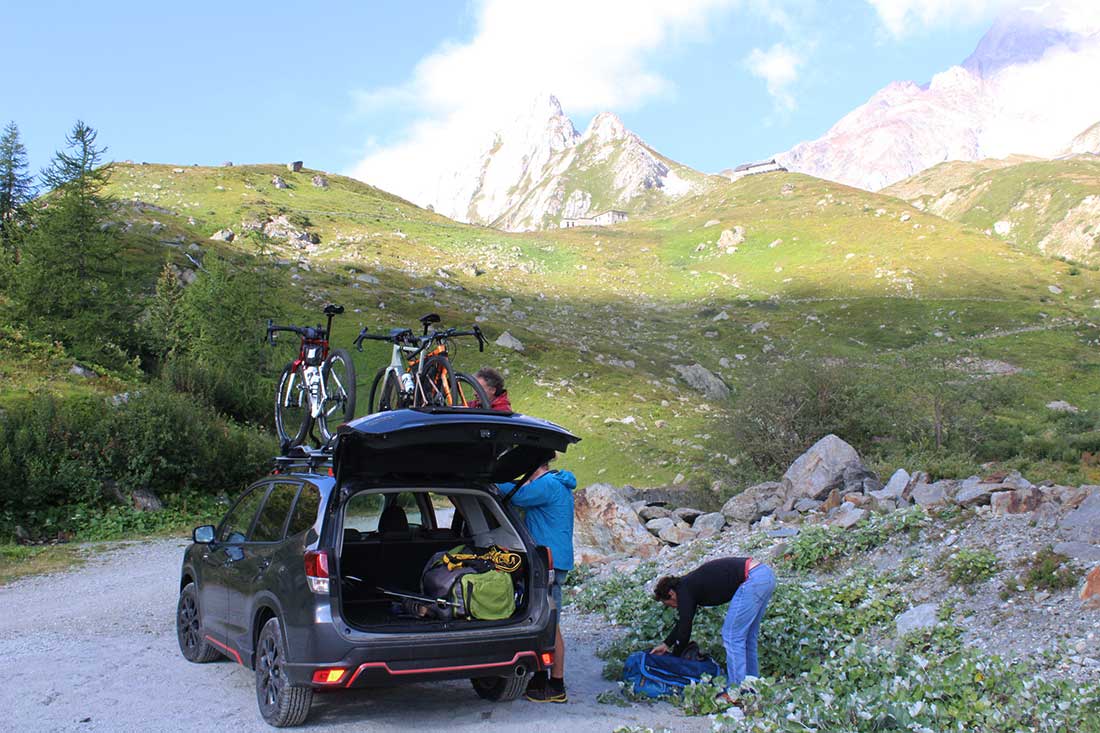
x=281 y=704
x=189 y=630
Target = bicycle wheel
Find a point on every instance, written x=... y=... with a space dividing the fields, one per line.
x=292 y=418
x=437 y=384
x=338 y=374
x=470 y=392
x=384 y=392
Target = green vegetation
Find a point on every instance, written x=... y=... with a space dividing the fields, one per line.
x=821 y=546
x=1046 y=571
x=967 y=567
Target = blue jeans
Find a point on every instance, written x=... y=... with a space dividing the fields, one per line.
x=743 y=624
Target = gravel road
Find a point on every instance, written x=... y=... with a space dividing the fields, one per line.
x=95 y=650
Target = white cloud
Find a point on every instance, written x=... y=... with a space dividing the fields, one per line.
x=778 y=67
x=593 y=54
x=901 y=17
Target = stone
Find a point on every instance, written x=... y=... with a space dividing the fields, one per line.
x=223 y=235
x=753 y=503
x=319 y=182
x=731 y=237
x=858 y=478
x=659 y=523
x=146 y=501
x=686 y=514
x=605 y=521
x=788 y=516
x=677 y=535
x=819 y=470
x=847 y=516
x=935 y=494
x=702 y=379
x=1013 y=480
x=917 y=618
x=1071 y=497
x=711 y=223
x=583 y=555
x=295 y=166
x=974 y=493
x=508 y=341
x=80 y=371
x=368 y=279
x=857 y=499
x=278 y=182
x=710 y=524
x=783 y=532
x=1090 y=591
x=1083 y=523
x=895 y=487
x=635 y=505
x=1081 y=551
x=807 y=505
x=1061 y=406
x=653 y=512
x=832 y=501
x=1019 y=501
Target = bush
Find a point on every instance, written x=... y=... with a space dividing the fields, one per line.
x=967 y=567
x=1047 y=570
x=818 y=545
x=60 y=455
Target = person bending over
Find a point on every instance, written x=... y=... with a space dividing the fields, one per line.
x=744 y=583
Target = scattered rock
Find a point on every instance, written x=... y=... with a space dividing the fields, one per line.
x=710 y=524
x=783 y=532
x=895 y=487
x=917 y=618
x=295 y=166
x=278 y=182
x=677 y=534
x=807 y=505
x=1061 y=406
x=1083 y=523
x=702 y=379
x=847 y=516
x=146 y=501
x=223 y=235
x=658 y=524
x=319 y=182
x=859 y=479
x=365 y=278
x=711 y=223
x=653 y=512
x=1081 y=551
x=80 y=371
x=686 y=514
x=1054 y=289
x=935 y=494
x=1018 y=501
x=819 y=470
x=753 y=503
x=832 y=501
x=972 y=492
x=1090 y=592
x=758 y=326
x=508 y=341
x=606 y=522
x=731 y=237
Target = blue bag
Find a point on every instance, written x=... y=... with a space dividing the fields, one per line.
x=658 y=675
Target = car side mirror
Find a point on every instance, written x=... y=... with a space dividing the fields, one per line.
x=203 y=535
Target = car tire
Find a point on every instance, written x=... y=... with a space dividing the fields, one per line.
x=500 y=689
x=282 y=705
x=189 y=630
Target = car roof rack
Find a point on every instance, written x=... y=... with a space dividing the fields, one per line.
x=300 y=457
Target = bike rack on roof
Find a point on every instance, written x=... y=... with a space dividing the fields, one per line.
x=300 y=457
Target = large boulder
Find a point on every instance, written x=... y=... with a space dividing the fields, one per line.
x=934 y=494
x=819 y=470
x=1090 y=591
x=1019 y=501
x=508 y=341
x=858 y=479
x=1083 y=523
x=678 y=534
x=754 y=502
x=894 y=487
x=702 y=379
x=606 y=522
x=708 y=525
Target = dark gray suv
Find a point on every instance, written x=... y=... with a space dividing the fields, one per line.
x=289 y=584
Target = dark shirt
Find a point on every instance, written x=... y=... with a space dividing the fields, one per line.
x=710 y=584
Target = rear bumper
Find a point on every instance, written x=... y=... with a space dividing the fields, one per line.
x=383 y=662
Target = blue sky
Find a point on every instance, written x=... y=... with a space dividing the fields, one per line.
x=245 y=81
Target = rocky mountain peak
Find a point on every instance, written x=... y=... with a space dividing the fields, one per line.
x=606 y=127
x=1020 y=36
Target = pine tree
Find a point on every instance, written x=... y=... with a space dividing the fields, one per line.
x=16 y=187
x=165 y=316
x=69 y=282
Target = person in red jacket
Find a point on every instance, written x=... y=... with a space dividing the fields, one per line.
x=493 y=383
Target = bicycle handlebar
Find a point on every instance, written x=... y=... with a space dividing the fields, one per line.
x=306 y=332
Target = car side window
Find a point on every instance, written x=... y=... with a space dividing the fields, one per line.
x=407 y=501
x=363 y=512
x=305 y=510
x=272 y=518
x=235 y=527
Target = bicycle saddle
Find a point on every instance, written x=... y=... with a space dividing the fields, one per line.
x=430 y=319
x=333 y=310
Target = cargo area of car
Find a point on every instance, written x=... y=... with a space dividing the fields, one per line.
x=389 y=536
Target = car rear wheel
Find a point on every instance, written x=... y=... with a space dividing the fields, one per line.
x=281 y=704
x=500 y=689
x=189 y=629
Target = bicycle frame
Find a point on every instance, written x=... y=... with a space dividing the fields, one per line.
x=311 y=376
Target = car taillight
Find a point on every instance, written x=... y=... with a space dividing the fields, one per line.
x=317 y=570
x=328 y=676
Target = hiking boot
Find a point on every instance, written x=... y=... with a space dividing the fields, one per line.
x=538 y=682
x=547 y=693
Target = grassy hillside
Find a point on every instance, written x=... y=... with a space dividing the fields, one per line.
x=824 y=271
x=1051 y=206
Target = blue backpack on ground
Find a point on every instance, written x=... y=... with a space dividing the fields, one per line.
x=658 y=675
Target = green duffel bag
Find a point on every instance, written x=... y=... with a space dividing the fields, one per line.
x=488 y=596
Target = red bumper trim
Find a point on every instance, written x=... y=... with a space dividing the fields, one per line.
x=428 y=670
x=224 y=648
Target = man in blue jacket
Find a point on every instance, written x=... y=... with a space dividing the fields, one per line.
x=547 y=500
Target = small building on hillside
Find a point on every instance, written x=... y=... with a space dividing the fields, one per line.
x=603 y=219
x=752 y=169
